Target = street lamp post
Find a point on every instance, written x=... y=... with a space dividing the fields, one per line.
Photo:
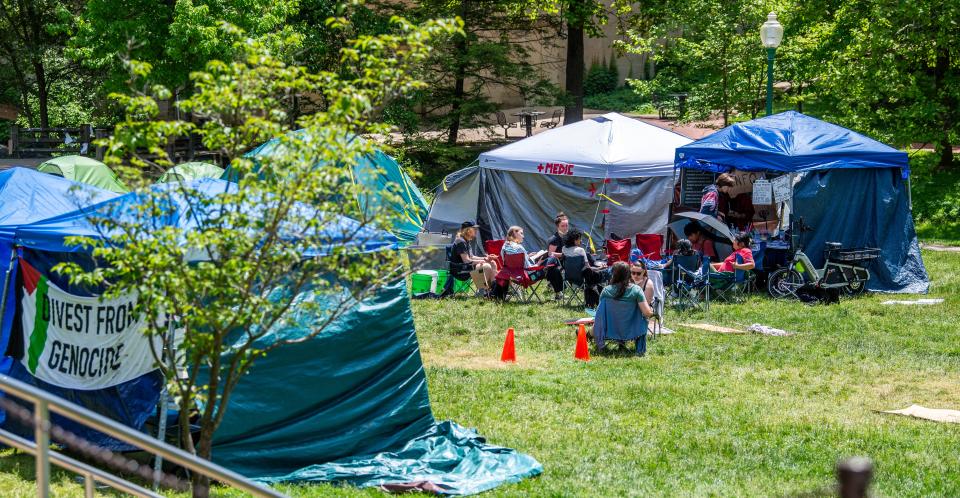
x=771 y=34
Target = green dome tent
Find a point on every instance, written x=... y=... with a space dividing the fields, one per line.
x=190 y=171
x=84 y=170
x=378 y=172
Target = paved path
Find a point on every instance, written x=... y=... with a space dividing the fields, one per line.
x=940 y=248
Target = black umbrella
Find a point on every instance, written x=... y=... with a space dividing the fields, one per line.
x=714 y=227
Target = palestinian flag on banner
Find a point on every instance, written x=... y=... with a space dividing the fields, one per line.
x=35 y=287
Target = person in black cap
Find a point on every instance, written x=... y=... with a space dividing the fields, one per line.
x=482 y=269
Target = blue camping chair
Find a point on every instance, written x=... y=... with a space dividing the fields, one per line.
x=691 y=289
x=620 y=321
x=573 y=283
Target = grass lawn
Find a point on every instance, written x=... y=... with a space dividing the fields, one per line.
x=704 y=414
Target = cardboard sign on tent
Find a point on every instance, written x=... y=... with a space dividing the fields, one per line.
x=850 y=188
x=84 y=169
x=349 y=405
x=609 y=174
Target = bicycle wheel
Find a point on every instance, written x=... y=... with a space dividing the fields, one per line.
x=855 y=288
x=784 y=283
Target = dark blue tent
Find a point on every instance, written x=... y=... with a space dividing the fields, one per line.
x=850 y=187
x=27 y=196
x=788 y=142
x=185 y=212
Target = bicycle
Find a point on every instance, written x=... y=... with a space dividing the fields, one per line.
x=844 y=269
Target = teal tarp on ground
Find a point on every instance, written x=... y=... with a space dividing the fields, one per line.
x=351 y=406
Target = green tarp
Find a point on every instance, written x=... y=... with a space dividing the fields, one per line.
x=379 y=173
x=351 y=406
x=190 y=171
x=84 y=170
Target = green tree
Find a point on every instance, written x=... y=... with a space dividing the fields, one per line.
x=175 y=37
x=490 y=52
x=234 y=276
x=893 y=69
x=33 y=34
x=710 y=49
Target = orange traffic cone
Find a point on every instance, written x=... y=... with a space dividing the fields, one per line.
x=509 y=352
x=582 y=352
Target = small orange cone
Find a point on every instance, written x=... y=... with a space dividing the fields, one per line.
x=509 y=351
x=582 y=352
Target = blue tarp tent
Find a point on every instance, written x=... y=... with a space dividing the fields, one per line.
x=378 y=173
x=850 y=188
x=350 y=405
x=27 y=196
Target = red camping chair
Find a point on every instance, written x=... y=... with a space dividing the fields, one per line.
x=517 y=277
x=494 y=247
x=617 y=250
x=650 y=245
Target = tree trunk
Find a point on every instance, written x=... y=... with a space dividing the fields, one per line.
x=947 y=104
x=201 y=483
x=42 y=93
x=460 y=75
x=573 y=110
x=460 y=52
x=725 y=96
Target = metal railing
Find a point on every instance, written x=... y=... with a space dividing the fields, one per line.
x=44 y=403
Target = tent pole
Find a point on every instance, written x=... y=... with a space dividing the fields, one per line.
x=666 y=229
x=170 y=356
x=6 y=286
x=909 y=194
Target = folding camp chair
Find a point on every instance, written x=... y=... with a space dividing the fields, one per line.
x=617 y=250
x=620 y=321
x=650 y=245
x=659 y=297
x=521 y=285
x=494 y=247
x=692 y=288
x=459 y=271
x=681 y=267
x=573 y=283
x=731 y=287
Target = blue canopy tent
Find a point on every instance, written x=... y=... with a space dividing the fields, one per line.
x=378 y=172
x=850 y=188
x=27 y=196
x=349 y=405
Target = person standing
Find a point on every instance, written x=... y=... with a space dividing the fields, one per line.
x=710 y=200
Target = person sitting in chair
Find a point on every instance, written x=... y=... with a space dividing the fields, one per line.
x=514 y=245
x=700 y=241
x=612 y=312
x=482 y=269
x=741 y=247
x=593 y=274
x=641 y=277
x=556 y=243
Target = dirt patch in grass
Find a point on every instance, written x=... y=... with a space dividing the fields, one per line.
x=476 y=360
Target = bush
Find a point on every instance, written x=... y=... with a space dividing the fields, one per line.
x=432 y=161
x=936 y=198
x=620 y=100
x=601 y=78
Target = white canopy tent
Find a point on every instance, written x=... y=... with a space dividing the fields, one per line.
x=609 y=174
x=608 y=146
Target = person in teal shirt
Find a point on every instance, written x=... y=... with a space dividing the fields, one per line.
x=622 y=288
